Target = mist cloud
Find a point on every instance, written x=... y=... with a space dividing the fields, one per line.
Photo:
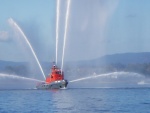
x=87 y=28
x=4 y=36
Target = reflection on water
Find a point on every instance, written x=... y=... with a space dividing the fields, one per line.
x=96 y=100
x=99 y=100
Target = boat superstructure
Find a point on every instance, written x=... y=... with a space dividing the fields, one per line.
x=55 y=80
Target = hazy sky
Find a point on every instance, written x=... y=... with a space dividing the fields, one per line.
x=96 y=28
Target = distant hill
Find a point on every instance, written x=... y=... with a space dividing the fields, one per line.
x=3 y=64
x=129 y=62
x=23 y=68
x=135 y=62
x=126 y=58
x=122 y=58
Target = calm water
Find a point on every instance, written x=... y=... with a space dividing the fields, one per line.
x=76 y=101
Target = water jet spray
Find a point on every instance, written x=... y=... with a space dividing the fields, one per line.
x=18 y=77
x=57 y=28
x=15 y=26
x=65 y=34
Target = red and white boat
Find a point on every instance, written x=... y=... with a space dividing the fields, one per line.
x=55 y=80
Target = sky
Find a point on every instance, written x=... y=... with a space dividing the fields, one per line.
x=95 y=28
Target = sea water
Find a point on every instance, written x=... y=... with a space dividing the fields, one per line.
x=84 y=100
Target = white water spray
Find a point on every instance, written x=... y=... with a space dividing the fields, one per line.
x=89 y=77
x=65 y=34
x=18 y=77
x=57 y=29
x=114 y=75
x=14 y=24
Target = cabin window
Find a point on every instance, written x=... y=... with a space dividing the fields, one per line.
x=58 y=72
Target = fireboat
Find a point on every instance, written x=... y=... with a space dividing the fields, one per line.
x=55 y=80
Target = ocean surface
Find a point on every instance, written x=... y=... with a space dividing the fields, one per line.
x=72 y=100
